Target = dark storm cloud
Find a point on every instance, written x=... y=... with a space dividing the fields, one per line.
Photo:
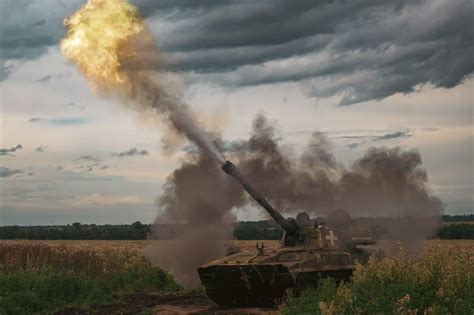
x=39 y=23
x=362 y=50
x=7 y=172
x=6 y=151
x=28 y=28
x=131 y=152
x=169 y=7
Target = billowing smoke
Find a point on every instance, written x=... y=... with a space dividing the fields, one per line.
x=387 y=184
x=199 y=196
x=384 y=182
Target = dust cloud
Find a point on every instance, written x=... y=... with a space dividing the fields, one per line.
x=386 y=184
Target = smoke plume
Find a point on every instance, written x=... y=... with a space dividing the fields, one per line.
x=384 y=182
x=201 y=197
x=387 y=184
x=106 y=38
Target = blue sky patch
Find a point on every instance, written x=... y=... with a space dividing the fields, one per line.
x=67 y=121
x=61 y=121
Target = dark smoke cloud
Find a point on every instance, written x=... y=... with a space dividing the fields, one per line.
x=384 y=182
x=199 y=195
x=131 y=152
x=5 y=151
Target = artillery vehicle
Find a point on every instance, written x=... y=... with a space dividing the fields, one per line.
x=308 y=253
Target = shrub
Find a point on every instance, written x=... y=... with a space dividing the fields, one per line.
x=440 y=282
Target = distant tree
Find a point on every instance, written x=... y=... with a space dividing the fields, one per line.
x=457 y=231
x=137 y=225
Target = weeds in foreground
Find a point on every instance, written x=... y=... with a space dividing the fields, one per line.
x=82 y=259
x=44 y=278
x=440 y=282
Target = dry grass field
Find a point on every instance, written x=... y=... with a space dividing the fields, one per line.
x=47 y=276
x=103 y=257
x=464 y=245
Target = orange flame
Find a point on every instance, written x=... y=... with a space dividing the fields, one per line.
x=97 y=34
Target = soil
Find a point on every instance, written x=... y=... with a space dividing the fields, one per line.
x=196 y=304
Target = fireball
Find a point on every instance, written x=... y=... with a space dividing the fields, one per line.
x=96 y=39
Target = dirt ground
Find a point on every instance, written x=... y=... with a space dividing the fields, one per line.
x=197 y=304
x=203 y=305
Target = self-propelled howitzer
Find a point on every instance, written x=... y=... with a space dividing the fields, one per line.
x=309 y=251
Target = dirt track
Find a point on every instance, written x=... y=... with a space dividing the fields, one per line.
x=168 y=304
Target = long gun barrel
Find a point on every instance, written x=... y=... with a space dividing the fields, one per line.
x=231 y=169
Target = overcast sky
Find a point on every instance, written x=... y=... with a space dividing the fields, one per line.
x=366 y=72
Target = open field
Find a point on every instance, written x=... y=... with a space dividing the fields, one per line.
x=47 y=276
x=141 y=245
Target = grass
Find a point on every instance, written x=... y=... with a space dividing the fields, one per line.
x=26 y=292
x=440 y=282
x=40 y=277
x=47 y=276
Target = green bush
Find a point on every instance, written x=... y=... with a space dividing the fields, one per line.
x=440 y=282
x=143 y=278
x=309 y=300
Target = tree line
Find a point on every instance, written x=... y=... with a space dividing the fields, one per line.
x=248 y=230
